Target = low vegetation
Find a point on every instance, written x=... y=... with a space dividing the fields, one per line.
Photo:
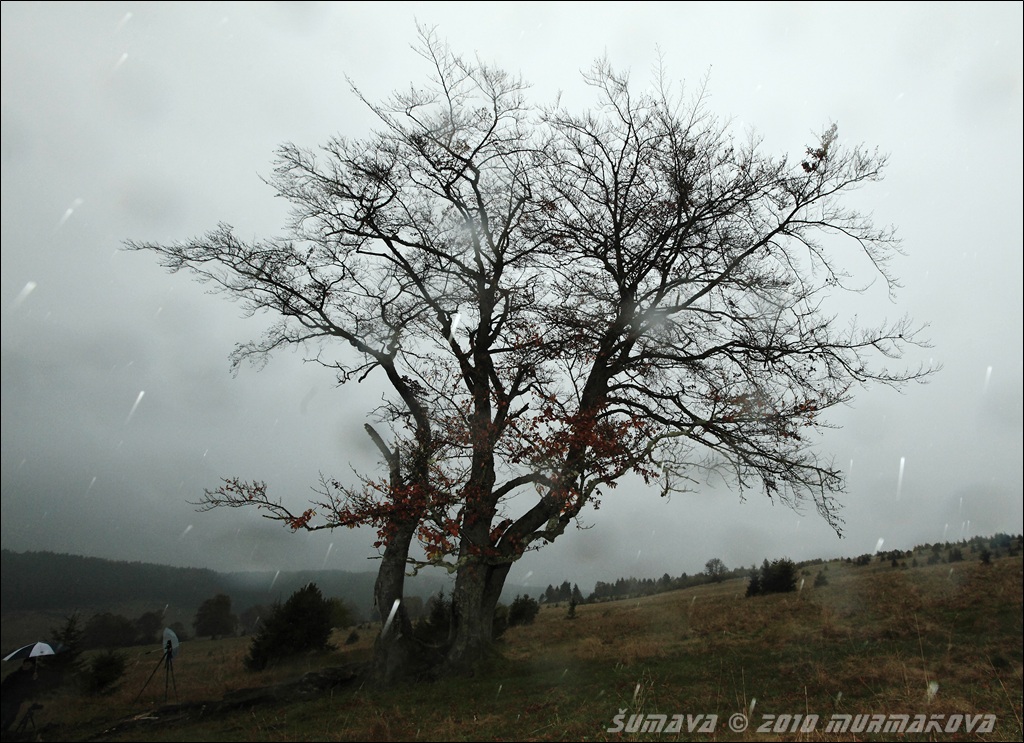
x=777 y=576
x=300 y=624
x=936 y=640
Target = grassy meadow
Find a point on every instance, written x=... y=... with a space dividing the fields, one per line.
x=941 y=640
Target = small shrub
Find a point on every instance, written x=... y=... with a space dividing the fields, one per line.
x=301 y=624
x=754 y=584
x=523 y=611
x=820 y=580
x=71 y=635
x=778 y=576
x=103 y=672
x=432 y=628
x=342 y=614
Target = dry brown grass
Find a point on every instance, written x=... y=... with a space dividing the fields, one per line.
x=870 y=641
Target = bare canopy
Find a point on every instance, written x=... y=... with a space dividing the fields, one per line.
x=556 y=300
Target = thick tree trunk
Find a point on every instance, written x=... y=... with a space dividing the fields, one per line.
x=477 y=591
x=472 y=624
x=472 y=611
x=496 y=576
x=394 y=653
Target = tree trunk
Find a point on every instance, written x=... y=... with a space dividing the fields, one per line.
x=472 y=622
x=472 y=611
x=477 y=591
x=496 y=576
x=394 y=649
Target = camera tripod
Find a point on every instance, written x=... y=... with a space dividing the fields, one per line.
x=167 y=661
x=28 y=719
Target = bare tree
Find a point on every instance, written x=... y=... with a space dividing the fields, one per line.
x=556 y=300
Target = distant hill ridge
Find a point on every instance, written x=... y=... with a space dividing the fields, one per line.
x=48 y=581
x=52 y=582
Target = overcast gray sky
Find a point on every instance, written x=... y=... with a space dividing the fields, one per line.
x=155 y=121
